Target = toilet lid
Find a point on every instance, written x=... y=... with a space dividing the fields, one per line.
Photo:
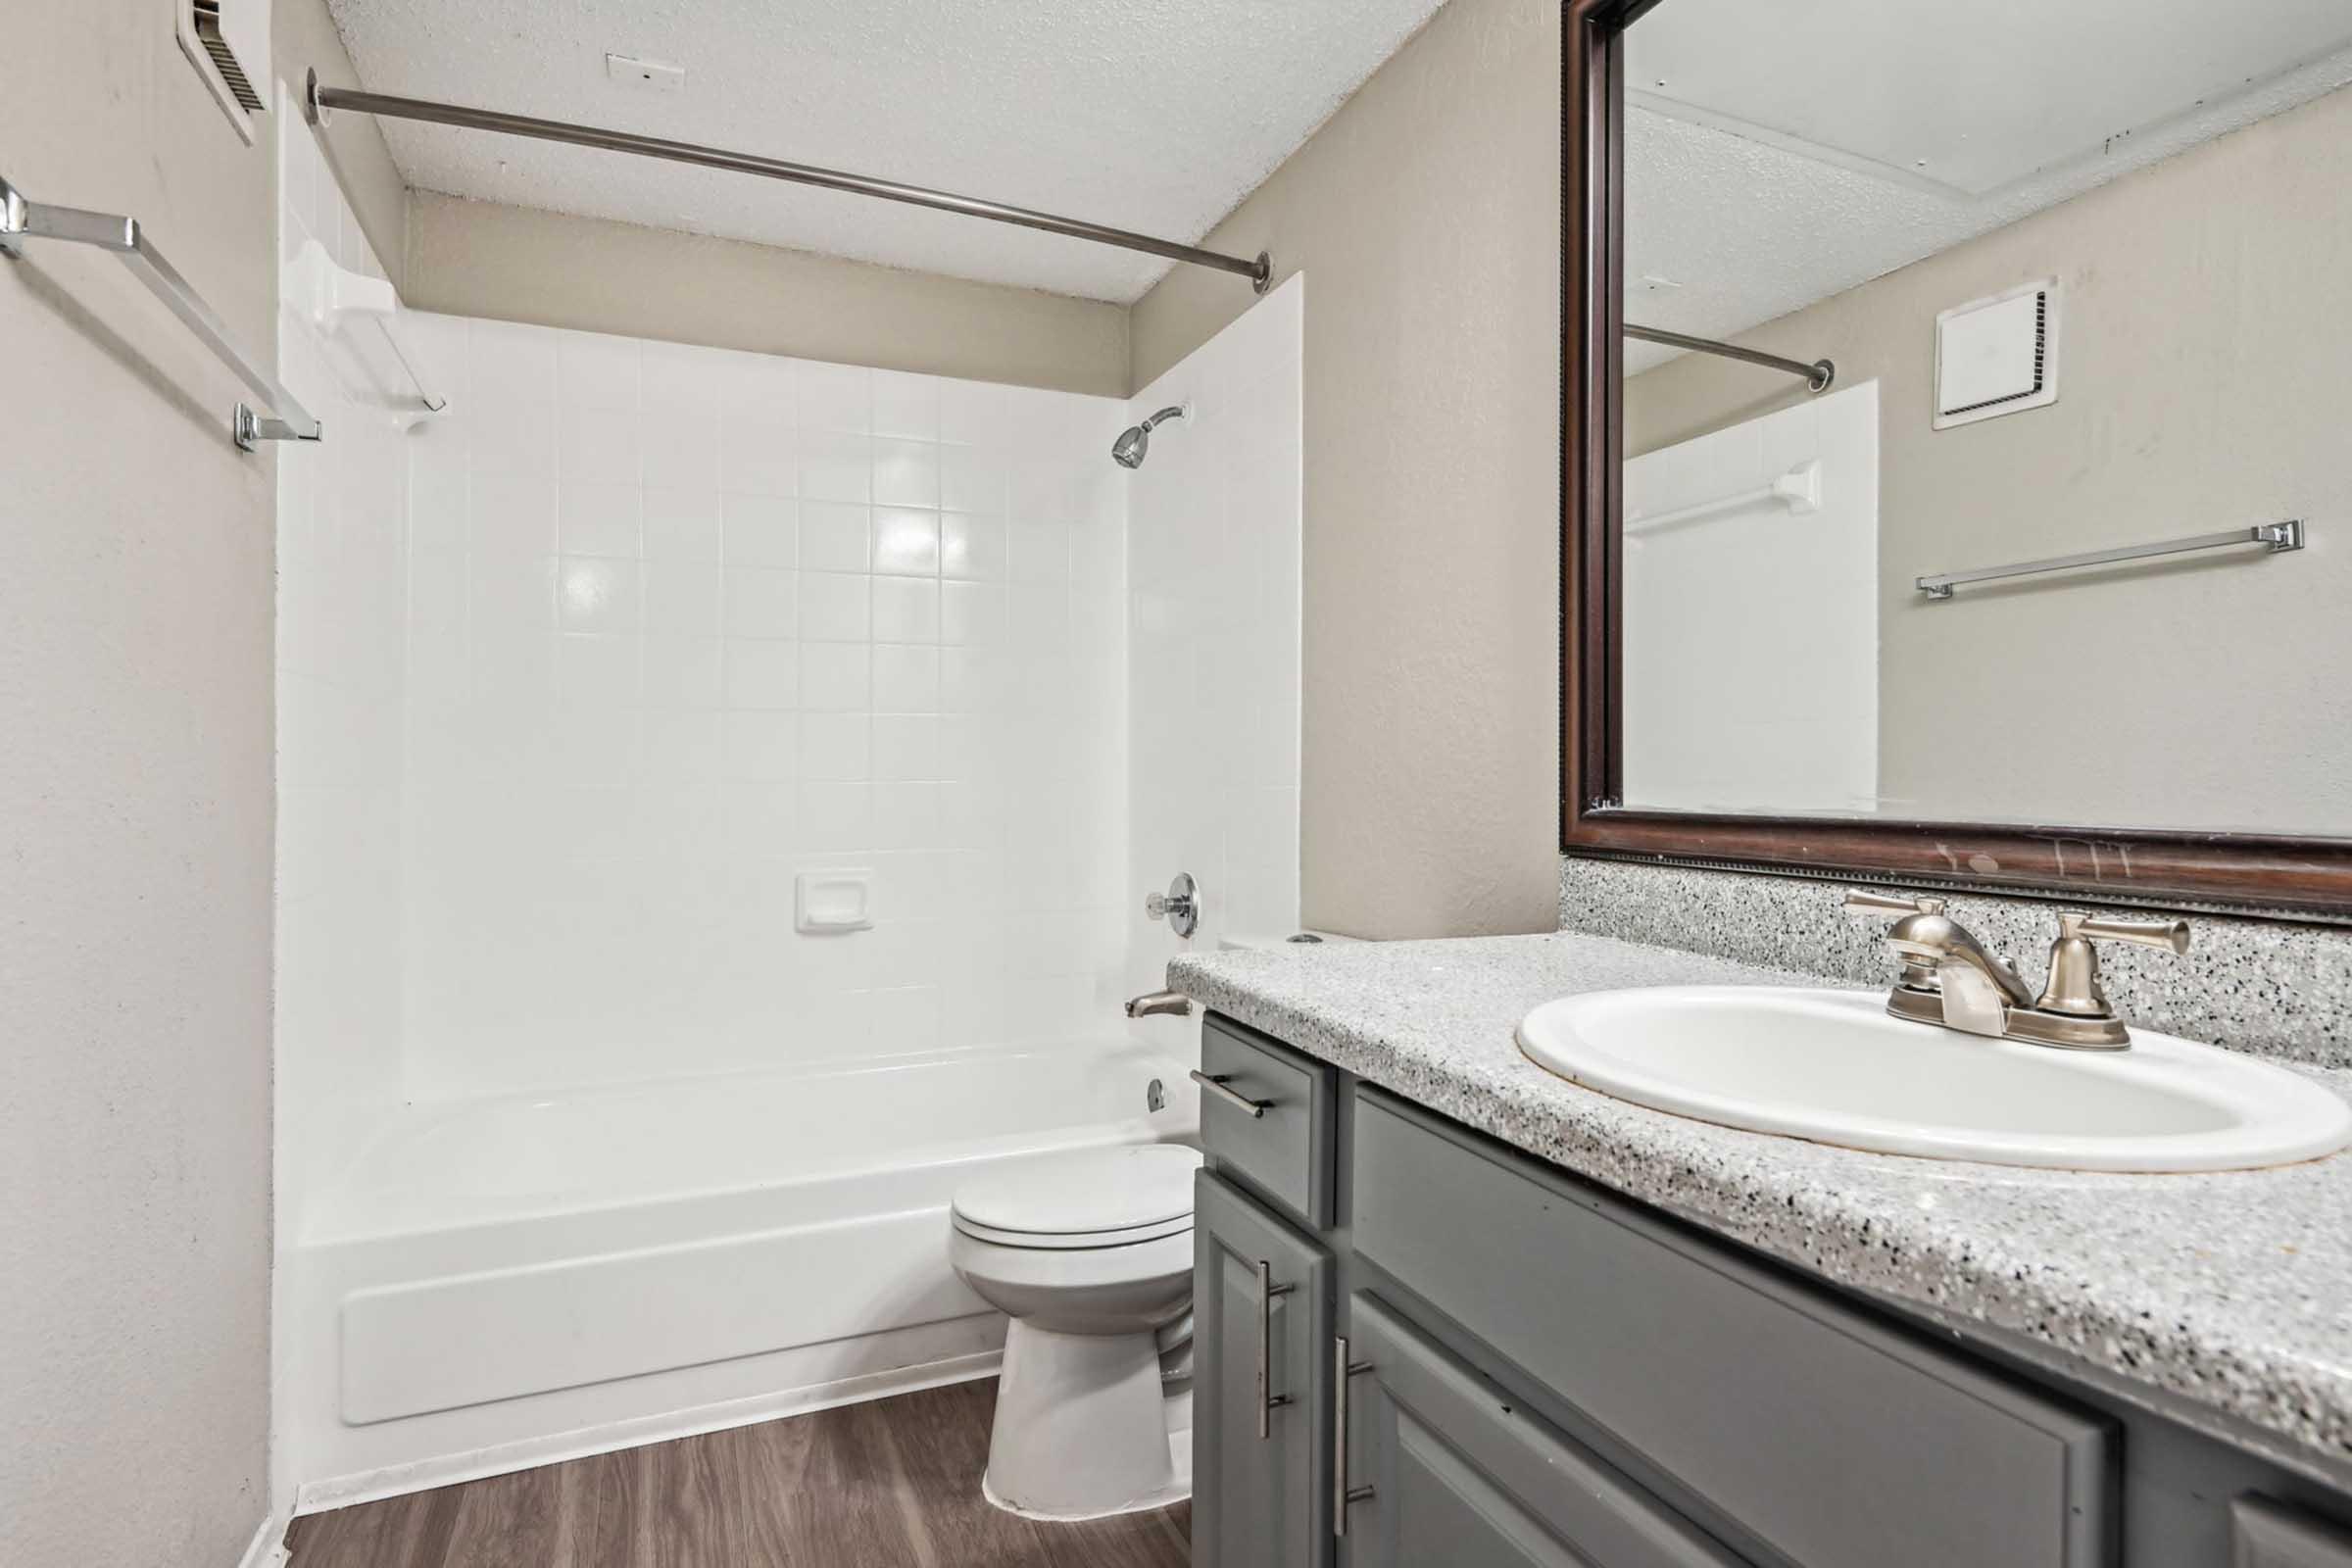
x=1115 y=1193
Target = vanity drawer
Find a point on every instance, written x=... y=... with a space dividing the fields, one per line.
x=1837 y=1441
x=1285 y=1152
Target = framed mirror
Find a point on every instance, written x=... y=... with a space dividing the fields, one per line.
x=1956 y=478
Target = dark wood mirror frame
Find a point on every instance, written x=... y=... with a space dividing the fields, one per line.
x=2307 y=878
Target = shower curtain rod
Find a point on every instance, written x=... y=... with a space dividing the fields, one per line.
x=1818 y=375
x=319 y=99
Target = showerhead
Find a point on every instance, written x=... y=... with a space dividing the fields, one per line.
x=1129 y=450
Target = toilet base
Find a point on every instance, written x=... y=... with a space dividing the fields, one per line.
x=1082 y=1427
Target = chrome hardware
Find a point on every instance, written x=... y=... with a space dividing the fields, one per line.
x=1341 y=1494
x=2279 y=537
x=1267 y=1399
x=1180 y=906
x=1157 y=1003
x=1217 y=1086
x=1155 y=1096
x=23 y=220
x=1949 y=979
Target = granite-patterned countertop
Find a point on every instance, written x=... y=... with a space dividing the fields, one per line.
x=2232 y=1293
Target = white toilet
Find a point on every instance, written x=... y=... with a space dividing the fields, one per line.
x=1090 y=1254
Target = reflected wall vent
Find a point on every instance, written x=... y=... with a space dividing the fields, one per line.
x=227 y=41
x=1997 y=355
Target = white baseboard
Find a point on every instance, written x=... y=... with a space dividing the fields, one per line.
x=268 y=1548
x=368 y=1486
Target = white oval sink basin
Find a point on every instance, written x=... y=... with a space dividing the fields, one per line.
x=1831 y=1066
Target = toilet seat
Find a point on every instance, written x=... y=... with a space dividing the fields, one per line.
x=1087 y=1198
x=1055 y=1242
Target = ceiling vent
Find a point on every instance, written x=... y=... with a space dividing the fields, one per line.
x=227 y=41
x=1997 y=355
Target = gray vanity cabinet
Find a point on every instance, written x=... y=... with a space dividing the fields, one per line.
x=1499 y=1364
x=1261 y=1413
x=1824 y=1434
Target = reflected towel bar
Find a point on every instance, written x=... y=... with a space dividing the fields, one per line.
x=1818 y=375
x=282 y=418
x=318 y=100
x=1799 y=490
x=2279 y=537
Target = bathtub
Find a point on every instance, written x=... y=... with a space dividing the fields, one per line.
x=497 y=1283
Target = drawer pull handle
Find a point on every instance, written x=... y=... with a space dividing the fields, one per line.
x=1267 y=1398
x=1216 y=1085
x=1341 y=1494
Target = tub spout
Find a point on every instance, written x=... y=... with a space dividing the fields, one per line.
x=1175 y=1003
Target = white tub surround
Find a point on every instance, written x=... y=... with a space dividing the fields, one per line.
x=582 y=678
x=1720 y=531
x=1213 y=521
x=686 y=623
x=342 y=705
x=500 y=1282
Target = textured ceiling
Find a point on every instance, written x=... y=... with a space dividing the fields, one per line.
x=1730 y=222
x=1150 y=115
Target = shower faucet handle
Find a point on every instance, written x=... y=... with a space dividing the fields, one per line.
x=1180 y=906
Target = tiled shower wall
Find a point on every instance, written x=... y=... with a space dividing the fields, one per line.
x=683 y=622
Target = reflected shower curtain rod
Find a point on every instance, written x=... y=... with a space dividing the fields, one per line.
x=318 y=100
x=1818 y=375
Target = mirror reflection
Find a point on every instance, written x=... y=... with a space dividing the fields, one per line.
x=2021 y=499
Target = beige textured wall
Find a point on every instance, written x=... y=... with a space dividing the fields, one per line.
x=1427 y=213
x=468 y=257
x=2204 y=329
x=136 y=606
x=305 y=40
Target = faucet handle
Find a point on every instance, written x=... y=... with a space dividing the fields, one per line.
x=2171 y=934
x=2072 y=990
x=1919 y=976
x=1863 y=902
x=1180 y=906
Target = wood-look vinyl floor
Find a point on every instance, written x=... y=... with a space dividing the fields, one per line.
x=891 y=1484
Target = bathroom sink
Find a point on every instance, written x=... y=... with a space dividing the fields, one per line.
x=1832 y=1068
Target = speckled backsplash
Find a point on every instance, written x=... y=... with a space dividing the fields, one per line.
x=2265 y=986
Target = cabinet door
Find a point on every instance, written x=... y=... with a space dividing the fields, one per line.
x=1262 y=1320
x=1444 y=1467
x=2268 y=1535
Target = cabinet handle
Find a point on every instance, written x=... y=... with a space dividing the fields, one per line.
x=1232 y=1097
x=1267 y=1399
x=1341 y=1494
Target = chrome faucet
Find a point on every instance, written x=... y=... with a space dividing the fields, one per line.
x=1950 y=979
x=1180 y=906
